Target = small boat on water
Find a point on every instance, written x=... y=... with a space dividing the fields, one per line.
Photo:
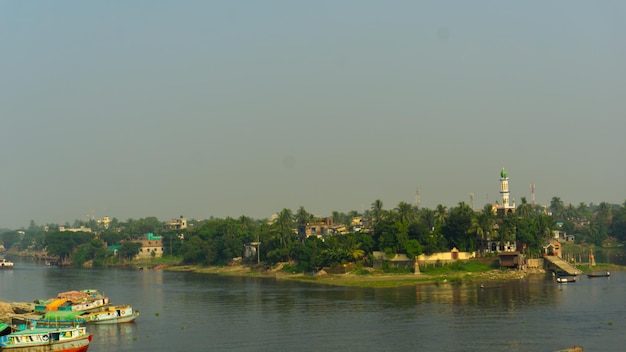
x=33 y=338
x=483 y=286
x=111 y=315
x=565 y=279
x=5 y=264
x=76 y=301
x=49 y=319
x=605 y=274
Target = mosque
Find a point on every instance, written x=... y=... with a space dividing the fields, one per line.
x=501 y=209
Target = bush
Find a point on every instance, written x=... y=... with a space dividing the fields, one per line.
x=387 y=268
x=361 y=271
x=459 y=266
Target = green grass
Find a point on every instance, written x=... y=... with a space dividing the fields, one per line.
x=167 y=260
x=456 y=267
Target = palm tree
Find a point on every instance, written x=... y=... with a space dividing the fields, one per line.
x=483 y=225
x=441 y=214
x=405 y=212
x=604 y=212
x=285 y=225
x=557 y=208
x=427 y=216
x=377 y=211
x=524 y=210
x=302 y=218
x=353 y=247
x=545 y=225
x=583 y=211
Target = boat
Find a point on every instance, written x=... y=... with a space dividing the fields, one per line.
x=111 y=315
x=49 y=319
x=483 y=286
x=565 y=279
x=33 y=338
x=5 y=264
x=605 y=274
x=75 y=301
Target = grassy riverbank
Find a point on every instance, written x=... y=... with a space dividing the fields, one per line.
x=367 y=277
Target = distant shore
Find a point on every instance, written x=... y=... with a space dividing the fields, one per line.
x=380 y=280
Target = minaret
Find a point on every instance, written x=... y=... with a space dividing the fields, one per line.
x=504 y=188
x=506 y=206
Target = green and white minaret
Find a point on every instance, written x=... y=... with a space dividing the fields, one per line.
x=504 y=188
x=506 y=206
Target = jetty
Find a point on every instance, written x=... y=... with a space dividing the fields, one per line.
x=555 y=263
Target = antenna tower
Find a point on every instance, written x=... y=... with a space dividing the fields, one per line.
x=532 y=194
x=472 y=200
x=417 y=198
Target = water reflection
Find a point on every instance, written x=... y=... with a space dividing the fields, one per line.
x=533 y=290
x=120 y=336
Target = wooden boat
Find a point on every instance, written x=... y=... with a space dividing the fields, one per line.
x=76 y=301
x=5 y=264
x=111 y=315
x=565 y=279
x=605 y=274
x=49 y=319
x=64 y=339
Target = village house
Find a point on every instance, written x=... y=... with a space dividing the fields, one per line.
x=151 y=247
x=175 y=224
x=319 y=229
x=562 y=236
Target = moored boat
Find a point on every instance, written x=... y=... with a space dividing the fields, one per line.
x=76 y=301
x=605 y=274
x=64 y=339
x=5 y=264
x=111 y=315
x=49 y=319
x=566 y=278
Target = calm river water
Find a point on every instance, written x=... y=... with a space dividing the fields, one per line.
x=191 y=312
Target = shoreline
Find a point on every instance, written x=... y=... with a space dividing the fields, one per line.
x=374 y=280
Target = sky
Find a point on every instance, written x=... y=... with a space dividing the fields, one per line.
x=131 y=109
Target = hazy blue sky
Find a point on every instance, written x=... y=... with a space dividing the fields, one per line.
x=222 y=108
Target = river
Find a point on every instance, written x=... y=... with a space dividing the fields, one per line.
x=187 y=312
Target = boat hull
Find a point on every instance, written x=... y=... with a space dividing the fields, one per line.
x=118 y=320
x=113 y=315
x=565 y=279
x=5 y=264
x=77 y=345
x=607 y=274
x=43 y=339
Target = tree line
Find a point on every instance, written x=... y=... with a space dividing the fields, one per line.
x=403 y=229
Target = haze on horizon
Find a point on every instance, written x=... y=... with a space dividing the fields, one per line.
x=203 y=108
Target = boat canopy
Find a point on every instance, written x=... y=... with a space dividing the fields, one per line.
x=55 y=304
x=61 y=315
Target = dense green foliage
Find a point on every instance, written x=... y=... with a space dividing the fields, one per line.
x=404 y=229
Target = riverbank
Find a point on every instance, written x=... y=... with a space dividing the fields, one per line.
x=371 y=279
